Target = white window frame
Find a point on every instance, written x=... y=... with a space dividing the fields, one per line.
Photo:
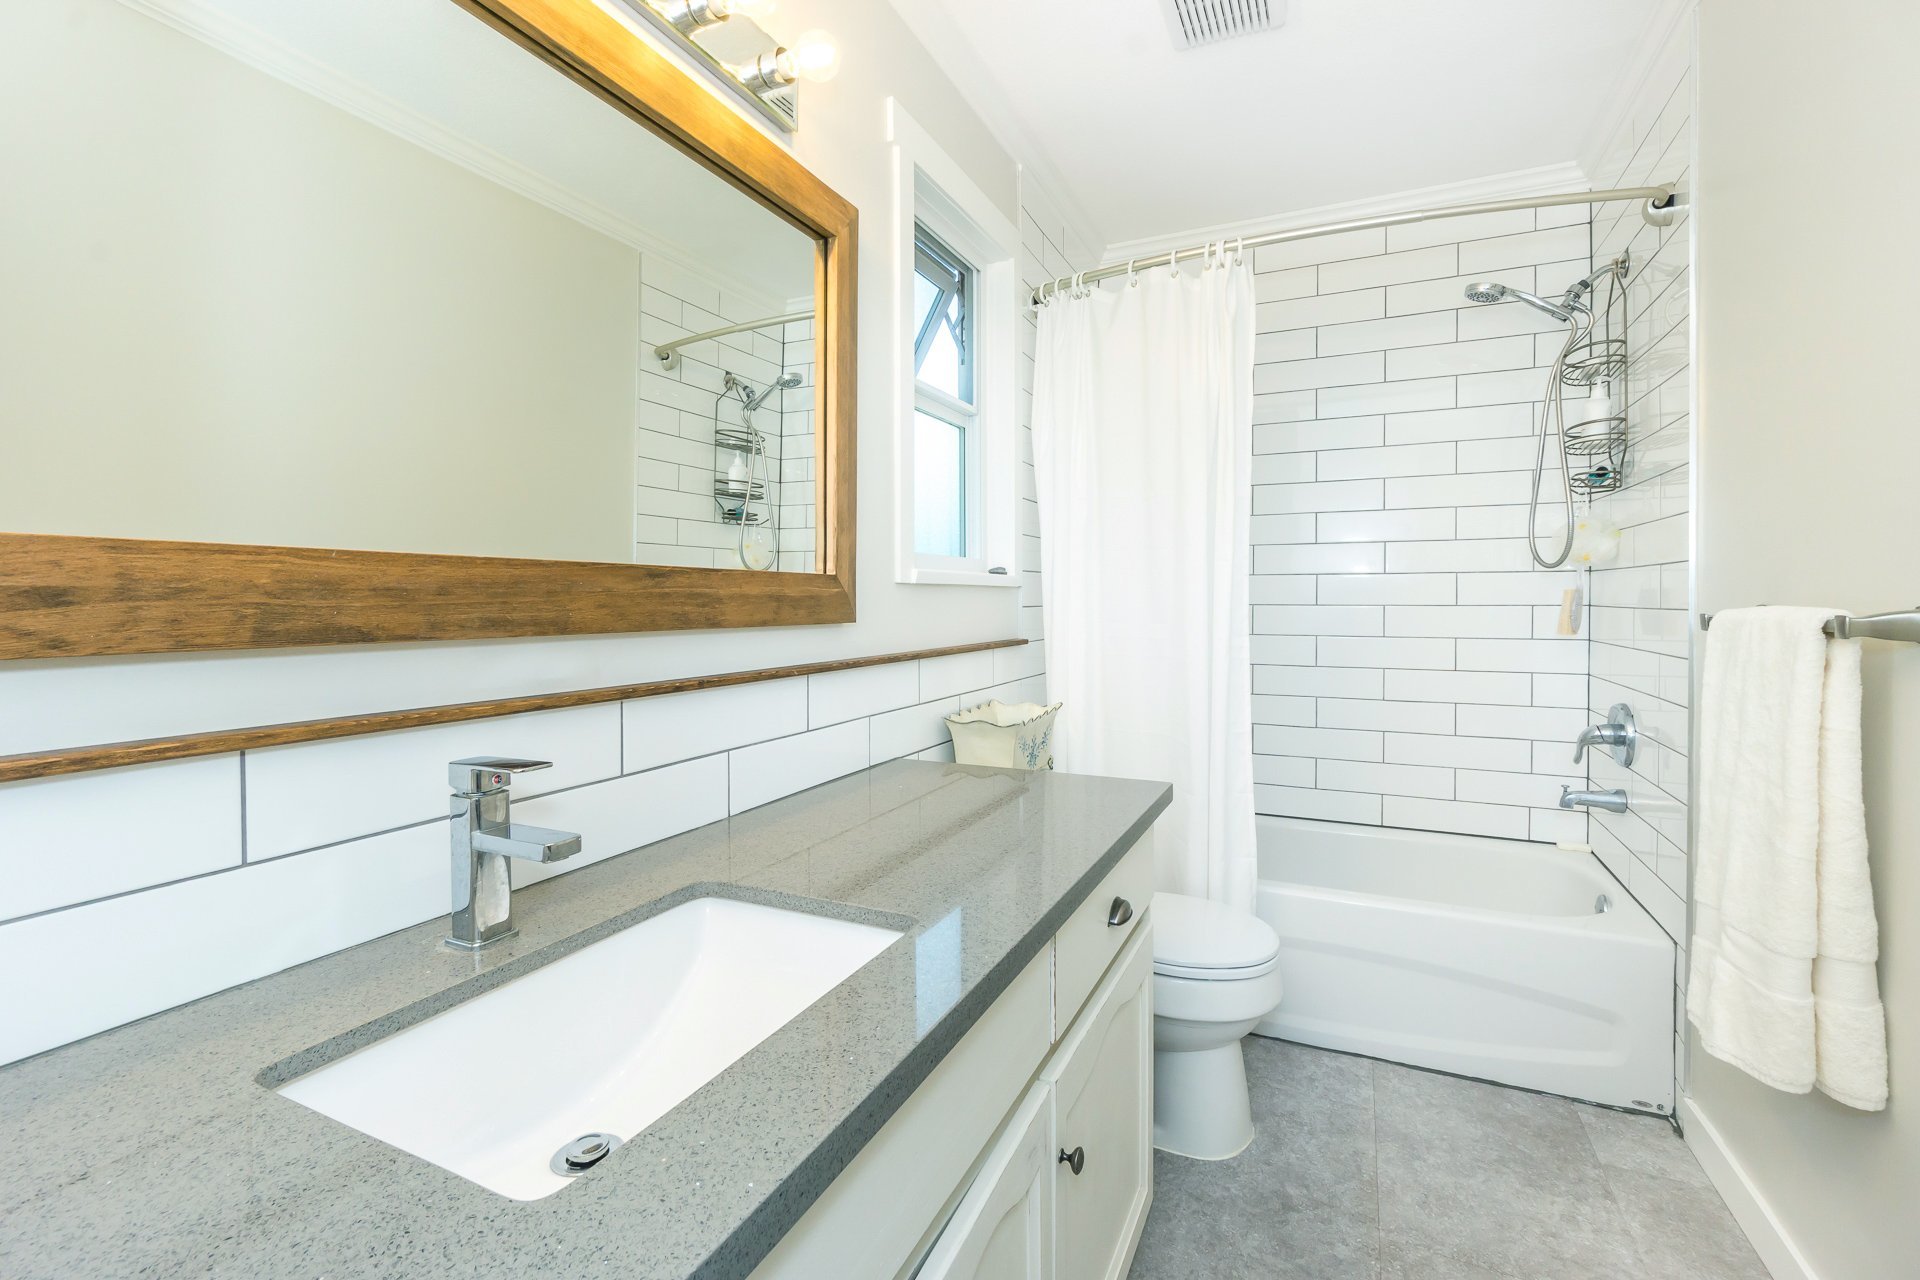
x=931 y=190
x=961 y=414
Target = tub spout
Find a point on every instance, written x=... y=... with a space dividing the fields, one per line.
x=1614 y=801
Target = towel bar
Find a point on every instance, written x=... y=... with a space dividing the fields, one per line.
x=1873 y=626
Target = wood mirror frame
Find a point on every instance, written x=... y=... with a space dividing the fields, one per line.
x=63 y=596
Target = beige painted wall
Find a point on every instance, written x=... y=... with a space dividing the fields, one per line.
x=247 y=316
x=1809 y=461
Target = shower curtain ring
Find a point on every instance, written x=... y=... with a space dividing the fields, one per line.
x=1239 y=244
x=1173 y=263
x=1133 y=281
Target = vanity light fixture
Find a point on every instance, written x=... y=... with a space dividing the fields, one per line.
x=691 y=15
x=768 y=73
x=725 y=38
x=814 y=58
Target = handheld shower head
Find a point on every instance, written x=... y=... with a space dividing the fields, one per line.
x=1488 y=291
x=785 y=382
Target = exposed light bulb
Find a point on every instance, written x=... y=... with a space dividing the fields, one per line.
x=814 y=56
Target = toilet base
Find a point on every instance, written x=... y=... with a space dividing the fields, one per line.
x=1200 y=1104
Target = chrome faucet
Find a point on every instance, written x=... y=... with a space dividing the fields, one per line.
x=1614 y=801
x=483 y=839
x=1619 y=735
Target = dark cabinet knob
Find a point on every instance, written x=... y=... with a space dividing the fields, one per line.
x=1075 y=1159
x=1120 y=912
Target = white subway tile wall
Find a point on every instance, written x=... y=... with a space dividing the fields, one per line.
x=181 y=879
x=798 y=466
x=1407 y=649
x=158 y=899
x=1642 y=632
x=676 y=520
x=1049 y=249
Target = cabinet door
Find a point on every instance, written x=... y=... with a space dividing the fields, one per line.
x=1003 y=1228
x=1103 y=1115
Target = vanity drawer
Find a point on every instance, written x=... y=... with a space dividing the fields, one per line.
x=1087 y=943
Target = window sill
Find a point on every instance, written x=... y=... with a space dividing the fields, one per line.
x=959 y=578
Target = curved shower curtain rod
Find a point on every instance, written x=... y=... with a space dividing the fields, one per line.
x=1659 y=209
x=669 y=352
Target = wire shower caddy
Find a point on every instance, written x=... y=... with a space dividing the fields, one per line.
x=1596 y=447
x=749 y=502
x=737 y=498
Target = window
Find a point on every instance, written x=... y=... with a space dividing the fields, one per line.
x=956 y=359
x=946 y=452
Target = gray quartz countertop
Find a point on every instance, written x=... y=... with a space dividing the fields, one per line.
x=159 y=1149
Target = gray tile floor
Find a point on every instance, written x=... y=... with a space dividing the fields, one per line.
x=1363 y=1170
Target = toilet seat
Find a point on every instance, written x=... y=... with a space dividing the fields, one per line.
x=1194 y=973
x=1203 y=941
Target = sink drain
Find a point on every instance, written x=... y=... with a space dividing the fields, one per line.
x=583 y=1153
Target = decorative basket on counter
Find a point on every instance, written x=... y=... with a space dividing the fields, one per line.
x=1006 y=736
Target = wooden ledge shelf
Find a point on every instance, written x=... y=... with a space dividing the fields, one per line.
x=116 y=755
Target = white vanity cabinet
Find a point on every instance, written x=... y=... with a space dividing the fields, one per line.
x=1064 y=1190
x=1102 y=1086
x=974 y=1177
x=1004 y=1226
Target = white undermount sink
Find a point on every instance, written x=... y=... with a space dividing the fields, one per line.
x=603 y=1041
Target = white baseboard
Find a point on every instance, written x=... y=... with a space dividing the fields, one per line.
x=1750 y=1208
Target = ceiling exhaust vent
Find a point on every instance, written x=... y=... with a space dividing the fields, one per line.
x=1198 y=22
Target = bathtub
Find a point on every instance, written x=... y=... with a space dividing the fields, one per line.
x=1486 y=958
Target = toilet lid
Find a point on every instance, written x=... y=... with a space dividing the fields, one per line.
x=1197 y=938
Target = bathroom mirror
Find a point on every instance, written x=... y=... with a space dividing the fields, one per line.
x=342 y=322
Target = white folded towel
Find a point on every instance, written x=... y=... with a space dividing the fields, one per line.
x=1782 y=980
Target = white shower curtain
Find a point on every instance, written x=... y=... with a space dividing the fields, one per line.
x=1143 y=425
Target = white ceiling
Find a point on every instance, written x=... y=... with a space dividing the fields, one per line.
x=1350 y=100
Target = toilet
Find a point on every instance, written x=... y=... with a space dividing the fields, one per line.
x=1216 y=972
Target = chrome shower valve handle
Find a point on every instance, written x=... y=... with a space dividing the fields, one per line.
x=1620 y=736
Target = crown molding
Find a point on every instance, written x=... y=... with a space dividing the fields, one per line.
x=1666 y=18
x=1545 y=180
x=254 y=48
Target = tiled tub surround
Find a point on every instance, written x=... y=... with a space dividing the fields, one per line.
x=798 y=466
x=1641 y=621
x=1408 y=670
x=164 y=883
x=675 y=518
x=1641 y=627
x=194 y=1167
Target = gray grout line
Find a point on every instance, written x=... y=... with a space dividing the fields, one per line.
x=243 y=807
x=125 y=893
